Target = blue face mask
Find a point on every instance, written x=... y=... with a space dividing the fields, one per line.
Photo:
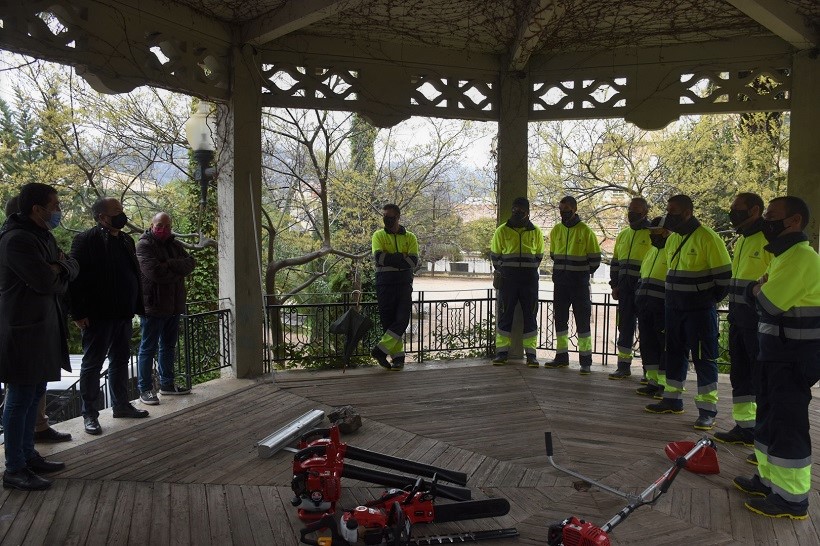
x=54 y=220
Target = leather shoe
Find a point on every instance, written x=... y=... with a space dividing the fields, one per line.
x=130 y=412
x=51 y=436
x=40 y=465
x=92 y=426
x=25 y=480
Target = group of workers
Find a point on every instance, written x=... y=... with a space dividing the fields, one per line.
x=668 y=275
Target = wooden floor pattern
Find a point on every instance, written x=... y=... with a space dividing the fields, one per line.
x=194 y=477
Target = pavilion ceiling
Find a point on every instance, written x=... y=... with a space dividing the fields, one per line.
x=431 y=57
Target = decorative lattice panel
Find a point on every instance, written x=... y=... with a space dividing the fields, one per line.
x=291 y=84
x=117 y=48
x=678 y=92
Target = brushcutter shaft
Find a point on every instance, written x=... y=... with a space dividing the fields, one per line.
x=604 y=487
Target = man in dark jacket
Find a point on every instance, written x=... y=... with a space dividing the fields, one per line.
x=34 y=273
x=104 y=299
x=164 y=264
x=43 y=432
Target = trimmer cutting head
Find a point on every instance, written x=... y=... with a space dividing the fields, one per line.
x=705 y=461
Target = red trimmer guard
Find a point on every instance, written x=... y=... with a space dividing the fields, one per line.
x=703 y=462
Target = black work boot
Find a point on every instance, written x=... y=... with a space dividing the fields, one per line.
x=667 y=405
x=737 y=436
x=561 y=360
x=775 y=506
x=622 y=372
x=381 y=357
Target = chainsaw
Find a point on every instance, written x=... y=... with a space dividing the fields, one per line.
x=319 y=466
x=389 y=519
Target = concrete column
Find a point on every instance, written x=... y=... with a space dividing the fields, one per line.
x=239 y=186
x=512 y=167
x=512 y=142
x=804 y=172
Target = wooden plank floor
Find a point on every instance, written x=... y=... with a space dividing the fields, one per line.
x=194 y=478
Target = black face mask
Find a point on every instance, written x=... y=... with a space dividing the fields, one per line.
x=673 y=221
x=658 y=241
x=634 y=218
x=566 y=215
x=389 y=222
x=119 y=221
x=518 y=218
x=737 y=217
x=772 y=229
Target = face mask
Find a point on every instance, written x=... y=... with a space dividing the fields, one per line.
x=773 y=228
x=54 y=220
x=161 y=233
x=634 y=218
x=566 y=215
x=119 y=221
x=389 y=222
x=658 y=241
x=673 y=221
x=737 y=217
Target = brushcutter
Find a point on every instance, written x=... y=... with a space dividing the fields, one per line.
x=699 y=458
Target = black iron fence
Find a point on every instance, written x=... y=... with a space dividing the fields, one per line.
x=203 y=349
x=298 y=334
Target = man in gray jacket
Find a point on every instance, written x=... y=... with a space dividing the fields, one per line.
x=34 y=274
x=164 y=264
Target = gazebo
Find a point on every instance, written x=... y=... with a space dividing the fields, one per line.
x=509 y=61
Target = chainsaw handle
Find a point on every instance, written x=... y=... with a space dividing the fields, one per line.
x=326 y=522
x=548 y=441
x=320 y=432
x=308 y=452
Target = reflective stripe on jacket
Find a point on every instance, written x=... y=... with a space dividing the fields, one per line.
x=631 y=246
x=653 y=276
x=789 y=302
x=395 y=256
x=749 y=263
x=699 y=268
x=517 y=249
x=574 y=251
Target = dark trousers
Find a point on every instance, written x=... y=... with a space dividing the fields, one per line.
x=696 y=332
x=627 y=317
x=523 y=291
x=782 y=431
x=19 y=415
x=395 y=304
x=162 y=333
x=652 y=332
x=111 y=338
x=744 y=373
x=577 y=296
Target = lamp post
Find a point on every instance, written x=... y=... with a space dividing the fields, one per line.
x=200 y=130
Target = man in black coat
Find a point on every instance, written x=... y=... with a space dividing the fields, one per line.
x=104 y=299
x=164 y=264
x=34 y=273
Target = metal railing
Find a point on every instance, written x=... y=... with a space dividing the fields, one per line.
x=440 y=329
x=203 y=348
